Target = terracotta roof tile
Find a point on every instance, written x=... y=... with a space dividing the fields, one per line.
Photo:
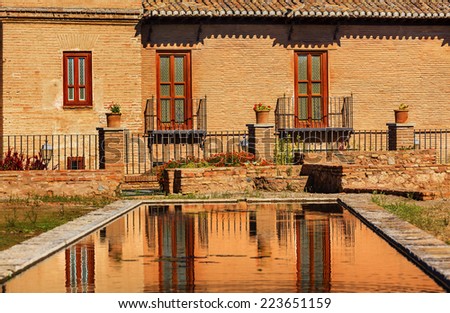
x=426 y=9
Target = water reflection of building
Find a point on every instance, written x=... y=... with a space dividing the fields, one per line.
x=225 y=248
x=240 y=245
x=305 y=232
x=171 y=234
x=80 y=267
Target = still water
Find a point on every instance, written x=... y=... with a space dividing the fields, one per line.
x=239 y=247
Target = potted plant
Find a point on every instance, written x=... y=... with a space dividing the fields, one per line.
x=262 y=113
x=114 y=116
x=401 y=114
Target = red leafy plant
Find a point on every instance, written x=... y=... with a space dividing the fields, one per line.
x=15 y=161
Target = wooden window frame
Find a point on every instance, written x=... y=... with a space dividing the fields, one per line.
x=78 y=160
x=76 y=102
x=310 y=123
x=172 y=125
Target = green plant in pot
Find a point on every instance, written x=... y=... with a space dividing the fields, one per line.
x=113 y=117
x=401 y=114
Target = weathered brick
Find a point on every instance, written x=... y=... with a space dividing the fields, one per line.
x=69 y=183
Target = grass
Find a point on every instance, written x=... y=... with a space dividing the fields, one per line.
x=432 y=218
x=23 y=218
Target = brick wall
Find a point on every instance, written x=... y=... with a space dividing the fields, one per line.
x=68 y=183
x=234 y=65
x=238 y=65
x=32 y=76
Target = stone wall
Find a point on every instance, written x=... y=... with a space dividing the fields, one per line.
x=400 y=157
x=233 y=179
x=67 y=183
x=400 y=172
x=430 y=179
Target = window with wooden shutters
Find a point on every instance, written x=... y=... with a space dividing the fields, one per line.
x=77 y=70
x=173 y=89
x=311 y=89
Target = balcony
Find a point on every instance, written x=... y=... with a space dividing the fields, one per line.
x=188 y=124
x=327 y=124
x=170 y=129
x=190 y=116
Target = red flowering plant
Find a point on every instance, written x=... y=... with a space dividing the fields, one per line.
x=261 y=107
x=230 y=159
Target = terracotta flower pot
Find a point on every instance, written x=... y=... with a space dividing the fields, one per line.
x=113 y=120
x=262 y=117
x=401 y=116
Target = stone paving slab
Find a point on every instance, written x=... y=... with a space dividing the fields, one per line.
x=426 y=251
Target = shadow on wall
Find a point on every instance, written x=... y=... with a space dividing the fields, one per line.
x=167 y=33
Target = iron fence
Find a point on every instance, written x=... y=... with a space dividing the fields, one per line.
x=316 y=144
x=368 y=140
x=71 y=151
x=137 y=159
x=437 y=139
x=144 y=152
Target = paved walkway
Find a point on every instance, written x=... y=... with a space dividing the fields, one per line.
x=428 y=252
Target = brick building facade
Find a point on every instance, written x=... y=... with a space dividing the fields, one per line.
x=63 y=63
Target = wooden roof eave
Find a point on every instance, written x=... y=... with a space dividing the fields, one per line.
x=190 y=19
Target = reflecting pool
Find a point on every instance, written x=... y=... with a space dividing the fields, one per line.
x=240 y=247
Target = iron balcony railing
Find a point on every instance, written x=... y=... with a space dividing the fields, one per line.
x=338 y=113
x=190 y=116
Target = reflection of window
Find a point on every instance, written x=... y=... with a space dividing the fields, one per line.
x=77 y=70
x=75 y=163
x=311 y=88
x=80 y=268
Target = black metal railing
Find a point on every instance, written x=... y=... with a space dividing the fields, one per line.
x=194 y=112
x=71 y=151
x=337 y=114
x=438 y=139
x=368 y=140
x=143 y=152
x=136 y=156
x=171 y=147
x=316 y=145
